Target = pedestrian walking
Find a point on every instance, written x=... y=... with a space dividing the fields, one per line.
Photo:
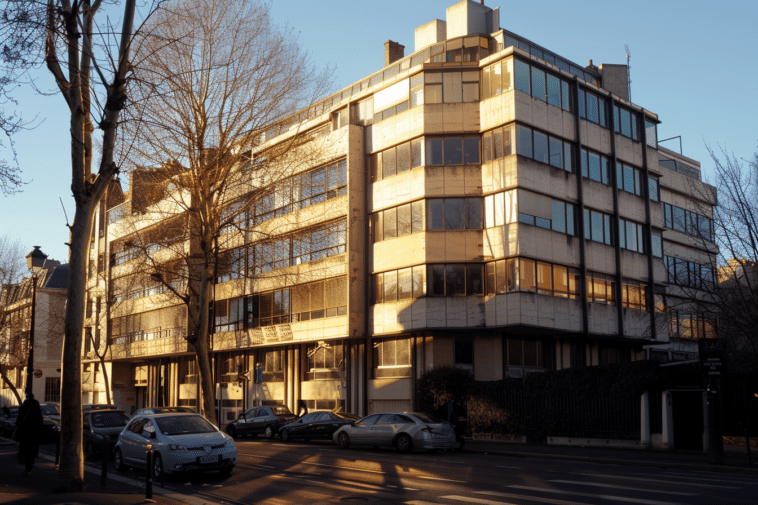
x=28 y=432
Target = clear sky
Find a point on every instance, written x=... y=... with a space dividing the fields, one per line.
x=692 y=64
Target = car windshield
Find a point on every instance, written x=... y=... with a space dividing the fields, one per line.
x=427 y=419
x=281 y=411
x=182 y=425
x=109 y=419
x=50 y=409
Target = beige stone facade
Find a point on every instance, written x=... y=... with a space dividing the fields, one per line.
x=499 y=210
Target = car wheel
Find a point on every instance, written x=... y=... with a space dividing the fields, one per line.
x=268 y=432
x=233 y=432
x=285 y=435
x=119 y=458
x=344 y=440
x=157 y=466
x=403 y=443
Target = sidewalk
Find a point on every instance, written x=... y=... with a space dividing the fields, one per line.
x=36 y=489
x=735 y=461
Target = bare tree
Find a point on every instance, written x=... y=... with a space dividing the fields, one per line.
x=736 y=230
x=11 y=272
x=61 y=35
x=213 y=79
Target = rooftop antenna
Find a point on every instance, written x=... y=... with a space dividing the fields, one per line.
x=628 y=71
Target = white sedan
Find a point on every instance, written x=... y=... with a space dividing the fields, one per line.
x=181 y=442
x=403 y=430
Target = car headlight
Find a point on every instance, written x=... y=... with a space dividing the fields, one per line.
x=176 y=447
x=228 y=442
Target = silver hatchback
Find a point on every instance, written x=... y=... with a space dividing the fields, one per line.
x=404 y=431
x=181 y=442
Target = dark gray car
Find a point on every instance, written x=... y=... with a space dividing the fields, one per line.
x=266 y=420
x=101 y=423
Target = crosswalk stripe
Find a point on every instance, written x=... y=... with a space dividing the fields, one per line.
x=342 y=488
x=593 y=495
x=439 y=478
x=627 y=477
x=613 y=486
x=693 y=476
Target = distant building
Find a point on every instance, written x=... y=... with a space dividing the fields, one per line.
x=485 y=203
x=15 y=323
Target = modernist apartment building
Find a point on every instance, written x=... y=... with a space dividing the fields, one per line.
x=483 y=202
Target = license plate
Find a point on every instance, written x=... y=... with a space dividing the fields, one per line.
x=207 y=459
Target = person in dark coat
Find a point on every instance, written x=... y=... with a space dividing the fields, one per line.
x=28 y=432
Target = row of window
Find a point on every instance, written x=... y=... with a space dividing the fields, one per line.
x=429 y=280
x=593 y=108
x=601 y=288
x=311 y=245
x=545 y=212
x=689 y=274
x=547 y=87
x=421 y=152
x=598 y=228
x=686 y=221
x=543 y=148
x=694 y=326
x=315 y=300
x=521 y=274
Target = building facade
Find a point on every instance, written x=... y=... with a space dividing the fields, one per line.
x=483 y=203
x=15 y=325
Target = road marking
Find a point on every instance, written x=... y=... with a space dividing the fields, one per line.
x=343 y=467
x=439 y=478
x=360 y=484
x=698 y=477
x=327 y=450
x=613 y=486
x=652 y=480
x=511 y=467
x=552 y=501
x=265 y=466
x=343 y=488
x=592 y=495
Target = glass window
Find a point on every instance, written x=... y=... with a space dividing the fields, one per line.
x=652 y=188
x=403 y=157
x=471 y=151
x=473 y=213
x=434 y=151
x=544 y=278
x=594 y=166
x=419 y=281
x=538 y=83
x=656 y=245
x=454 y=217
x=390 y=223
x=565 y=96
x=390 y=286
x=559 y=216
x=567 y=158
x=417 y=153
x=628 y=179
x=570 y=219
x=540 y=147
x=417 y=216
x=436 y=280
x=455 y=280
x=528 y=277
x=389 y=163
x=435 y=214
x=474 y=280
x=582 y=101
x=607 y=228
x=487 y=147
x=626 y=124
x=597 y=226
x=524 y=141
x=560 y=281
x=522 y=77
x=404 y=284
x=453 y=151
x=553 y=90
x=404 y=220
x=631 y=236
x=556 y=152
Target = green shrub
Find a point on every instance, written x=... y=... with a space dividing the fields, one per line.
x=442 y=384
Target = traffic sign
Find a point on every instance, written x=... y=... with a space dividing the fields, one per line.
x=712 y=356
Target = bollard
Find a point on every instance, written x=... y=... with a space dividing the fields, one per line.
x=106 y=454
x=149 y=472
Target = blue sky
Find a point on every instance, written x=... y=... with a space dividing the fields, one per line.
x=691 y=64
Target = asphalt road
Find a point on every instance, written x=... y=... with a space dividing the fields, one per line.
x=272 y=472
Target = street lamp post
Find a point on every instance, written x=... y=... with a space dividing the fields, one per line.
x=35 y=260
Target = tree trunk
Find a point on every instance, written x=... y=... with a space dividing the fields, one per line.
x=71 y=474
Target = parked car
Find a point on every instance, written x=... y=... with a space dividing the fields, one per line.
x=162 y=410
x=8 y=415
x=98 y=406
x=317 y=424
x=97 y=424
x=256 y=420
x=51 y=410
x=181 y=442
x=404 y=431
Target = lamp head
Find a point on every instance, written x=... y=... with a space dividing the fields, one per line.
x=35 y=260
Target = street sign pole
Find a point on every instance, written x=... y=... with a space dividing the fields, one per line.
x=712 y=365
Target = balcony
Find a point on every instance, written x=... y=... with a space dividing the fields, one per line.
x=152 y=342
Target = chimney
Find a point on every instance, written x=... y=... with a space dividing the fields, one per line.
x=393 y=51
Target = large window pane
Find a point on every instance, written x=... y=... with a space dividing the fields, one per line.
x=404 y=220
x=474 y=284
x=390 y=224
x=417 y=153
x=592 y=111
x=594 y=166
x=626 y=123
x=538 y=83
x=453 y=151
x=403 y=157
x=454 y=218
x=544 y=278
x=434 y=152
x=389 y=164
x=435 y=214
x=559 y=216
x=522 y=76
x=455 y=280
x=471 y=151
x=565 y=96
x=597 y=226
x=631 y=236
x=473 y=213
x=419 y=281
x=560 y=281
x=404 y=284
x=417 y=216
x=524 y=141
x=556 y=152
x=553 y=90
x=540 y=147
x=528 y=281
x=390 y=286
x=628 y=179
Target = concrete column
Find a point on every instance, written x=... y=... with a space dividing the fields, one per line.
x=645 y=419
x=668 y=420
